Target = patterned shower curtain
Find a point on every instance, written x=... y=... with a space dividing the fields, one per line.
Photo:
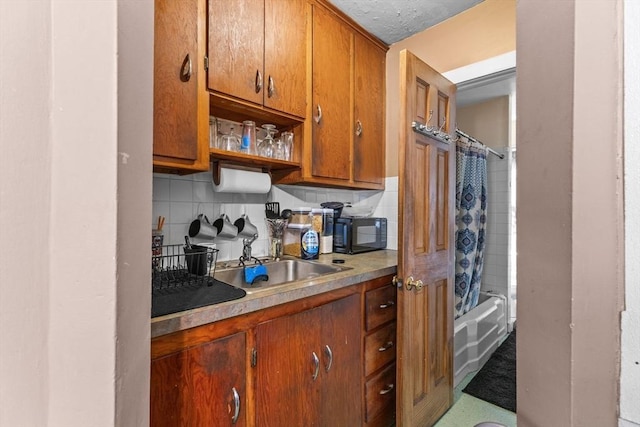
x=471 y=220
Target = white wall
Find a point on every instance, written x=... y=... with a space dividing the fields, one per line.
x=25 y=170
x=630 y=363
x=74 y=322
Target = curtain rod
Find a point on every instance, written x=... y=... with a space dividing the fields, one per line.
x=489 y=149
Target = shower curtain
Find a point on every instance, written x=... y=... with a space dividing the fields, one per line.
x=471 y=219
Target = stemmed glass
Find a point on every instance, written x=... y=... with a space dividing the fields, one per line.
x=267 y=146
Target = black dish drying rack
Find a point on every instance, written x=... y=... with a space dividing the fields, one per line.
x=179 y=268
x=182 y=278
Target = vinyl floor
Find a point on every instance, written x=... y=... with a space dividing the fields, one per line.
x=467 y=411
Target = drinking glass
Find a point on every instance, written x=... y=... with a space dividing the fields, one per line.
x=267 y=146
x=248 y=143
x=287 y=142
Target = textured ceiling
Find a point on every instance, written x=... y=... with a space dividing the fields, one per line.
x=395 y=20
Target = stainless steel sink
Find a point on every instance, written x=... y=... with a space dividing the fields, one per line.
x=279 y=272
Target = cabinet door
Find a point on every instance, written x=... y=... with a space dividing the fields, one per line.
x=369 y=139
x=285 y=55
x=180 y=119
x=286 y=391
x=204 y=385
x=236 y=48
x=340 y=401
x=332 y=130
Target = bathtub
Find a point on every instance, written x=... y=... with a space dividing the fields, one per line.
x=477 y=334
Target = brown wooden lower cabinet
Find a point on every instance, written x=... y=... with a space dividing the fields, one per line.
x=311 y=362
x=201 y=386
x=308 y=367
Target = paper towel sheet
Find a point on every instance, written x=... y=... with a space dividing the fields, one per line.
x=242 y=181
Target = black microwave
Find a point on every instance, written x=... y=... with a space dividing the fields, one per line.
x=357 y=235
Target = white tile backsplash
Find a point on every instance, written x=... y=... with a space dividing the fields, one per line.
x=181 y=190
x=181 y=198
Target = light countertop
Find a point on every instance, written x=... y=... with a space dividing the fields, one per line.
x=364 y=267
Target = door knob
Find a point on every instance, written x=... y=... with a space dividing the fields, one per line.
x=410 y=283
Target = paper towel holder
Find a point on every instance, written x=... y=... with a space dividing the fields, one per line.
x=217 y=167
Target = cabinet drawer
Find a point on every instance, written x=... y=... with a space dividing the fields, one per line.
x=380 y=394
x=381 y=306
x=380 y=348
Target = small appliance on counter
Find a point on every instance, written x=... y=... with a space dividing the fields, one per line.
x=357 y=235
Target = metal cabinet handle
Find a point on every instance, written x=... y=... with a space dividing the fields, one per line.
x=186 y=69
x=386 y=390
x=358 y=128
x=410 y=283
x=271 y=87
x=329 y=353
x=316 y=363
x=258 y=81
x=386 y=347
x=236 y=403
x=397 y=282
x=388 y=304
x=318 y=118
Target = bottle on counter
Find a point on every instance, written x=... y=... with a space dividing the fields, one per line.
x=309 y=244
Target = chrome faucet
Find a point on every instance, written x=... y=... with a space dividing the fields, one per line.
x=246 y=249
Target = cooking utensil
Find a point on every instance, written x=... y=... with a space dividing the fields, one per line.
x=286 y=214
x=272 y=210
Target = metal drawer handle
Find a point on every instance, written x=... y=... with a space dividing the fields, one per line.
x=316 y=363
x=358 y=128
x=386 y=347
x=236 y=402
x=329 y=353
x=318 y=118
x=258 y=81
x=186 y=69
x=386 y=390
x=388 y=304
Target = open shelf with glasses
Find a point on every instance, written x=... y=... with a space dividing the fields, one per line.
x=233 y=110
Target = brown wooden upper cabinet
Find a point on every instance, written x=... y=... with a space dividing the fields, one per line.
x=257 y=52
x=344 y=142
x=180 y=101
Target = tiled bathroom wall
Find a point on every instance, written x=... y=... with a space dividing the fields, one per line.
x=181 y=198
x=499 y=268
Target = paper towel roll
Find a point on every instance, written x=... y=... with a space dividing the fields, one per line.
x=242 y=181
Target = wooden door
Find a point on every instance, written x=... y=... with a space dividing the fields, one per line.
x=286 y=25
x=236 y=48
x=332 y=108
x=368 y=126
x=286 y=391
x=426 y=229
x=180 y=119
x=204 y=385
x=341 y=363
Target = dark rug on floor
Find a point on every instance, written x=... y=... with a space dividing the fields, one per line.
x=496 y=380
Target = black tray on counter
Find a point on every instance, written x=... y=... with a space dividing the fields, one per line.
x=199 y=293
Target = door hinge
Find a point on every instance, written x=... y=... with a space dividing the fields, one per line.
x=254 y=357
x=206 y=63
